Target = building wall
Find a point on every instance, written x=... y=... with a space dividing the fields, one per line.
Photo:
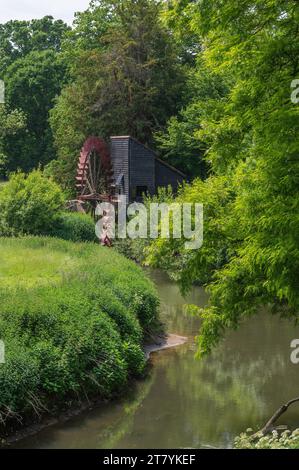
x=142 y=169
x=166 y=175
x=120 y=160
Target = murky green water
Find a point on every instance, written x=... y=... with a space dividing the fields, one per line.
x=187 y=403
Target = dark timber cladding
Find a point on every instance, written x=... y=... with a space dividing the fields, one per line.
x=120 y=160
x=142 y=170
x=139 y=170
x=167 y=175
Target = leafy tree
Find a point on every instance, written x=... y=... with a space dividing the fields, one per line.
x=32 y=83
x=129 y=82
x=252 y=140
x=10 y=124
x=177 y=15
x=33 y=71
x=182 y=143
x=19 y=38
x=90 y=28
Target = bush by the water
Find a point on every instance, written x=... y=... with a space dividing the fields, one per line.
x=75 y=227
x=73 y=318
x=137 y=248
x=285 y=440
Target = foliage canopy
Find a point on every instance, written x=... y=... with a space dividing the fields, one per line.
x=250 y=255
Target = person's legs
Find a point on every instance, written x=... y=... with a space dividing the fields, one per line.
x=108 y=241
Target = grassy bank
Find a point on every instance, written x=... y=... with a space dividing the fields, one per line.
x=73 y=318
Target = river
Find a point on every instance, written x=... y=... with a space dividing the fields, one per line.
x=186 y=403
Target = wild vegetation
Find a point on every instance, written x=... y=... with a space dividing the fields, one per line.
x=250 y=254
x=35 y=205
x=285 y=440
x=73 y=318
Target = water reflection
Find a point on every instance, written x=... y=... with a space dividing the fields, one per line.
x=190 y=403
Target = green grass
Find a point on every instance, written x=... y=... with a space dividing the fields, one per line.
x=73 y=318
x=28 y=267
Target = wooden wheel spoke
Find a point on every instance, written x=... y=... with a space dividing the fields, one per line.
x=99 y=171
x=95 y=160
x=93 y=177
x=91 y=173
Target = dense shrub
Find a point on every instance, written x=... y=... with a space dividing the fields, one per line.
x=33 y=205
x=73 y=318
x=29 y=204
x=75 y=227
x=136 y=249
x=285 y=440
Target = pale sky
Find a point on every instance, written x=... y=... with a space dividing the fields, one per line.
x=29 y=9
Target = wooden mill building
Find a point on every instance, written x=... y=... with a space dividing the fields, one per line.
x=137 y=169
